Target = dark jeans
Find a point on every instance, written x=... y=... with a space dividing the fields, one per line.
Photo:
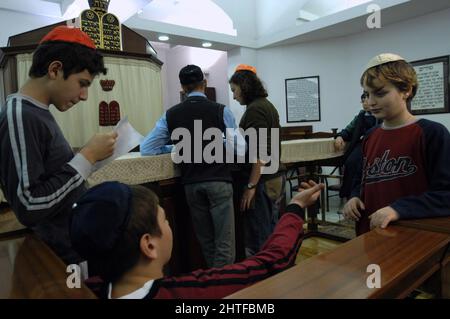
x=211 y=206
x=352 y=165
x=260 y=220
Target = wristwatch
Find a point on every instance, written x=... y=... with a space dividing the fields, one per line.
x=250 y=186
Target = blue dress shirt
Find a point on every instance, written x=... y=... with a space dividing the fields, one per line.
x=156 y=141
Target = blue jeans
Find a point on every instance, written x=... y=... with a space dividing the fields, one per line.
x=211 y=206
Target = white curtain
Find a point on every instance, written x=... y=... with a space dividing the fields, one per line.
x=137 y=89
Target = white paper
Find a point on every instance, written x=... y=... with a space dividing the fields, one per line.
x=127 y=139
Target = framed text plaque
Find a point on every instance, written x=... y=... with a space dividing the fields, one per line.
x=433 y=78
x=303 y=99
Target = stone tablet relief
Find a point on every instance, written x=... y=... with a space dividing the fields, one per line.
x=90 y=23
x=111 y=32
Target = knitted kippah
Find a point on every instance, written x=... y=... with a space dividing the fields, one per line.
x=383 y=59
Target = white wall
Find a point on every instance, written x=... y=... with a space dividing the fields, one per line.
x=211 y=61
x=275 y=16
x=13 y=23
x=242 y=12
x=340 y=62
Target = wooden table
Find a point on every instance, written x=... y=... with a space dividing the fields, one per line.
x=440 y=225
x=406 y=256
x=30 y=270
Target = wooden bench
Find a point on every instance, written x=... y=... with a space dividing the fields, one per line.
x=30 y=270
x=406 y=256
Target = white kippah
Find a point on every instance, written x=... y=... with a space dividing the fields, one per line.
x=382 y=59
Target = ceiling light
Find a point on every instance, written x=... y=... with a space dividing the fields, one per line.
x=163 y=38
x=206 y=44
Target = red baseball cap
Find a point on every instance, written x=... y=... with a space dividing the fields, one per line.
x=69 y=34
x=245 y=67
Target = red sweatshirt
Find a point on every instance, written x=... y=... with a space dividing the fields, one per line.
x=277 y=254
x=407 y=168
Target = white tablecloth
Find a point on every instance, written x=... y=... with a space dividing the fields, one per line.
x=308 y=150
x=134 y=168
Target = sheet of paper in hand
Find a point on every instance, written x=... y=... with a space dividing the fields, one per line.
x=127 y=139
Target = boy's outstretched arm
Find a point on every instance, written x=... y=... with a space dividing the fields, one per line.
x=277 y=254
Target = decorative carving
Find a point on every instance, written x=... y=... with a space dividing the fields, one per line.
x=90 y=23
x=107 y=85
x=100 y=6
x=114 y=112
x=111 y=32
x=101 y=26
x=103 y=115
x=109 y=114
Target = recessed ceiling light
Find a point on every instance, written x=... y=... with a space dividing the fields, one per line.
x=163 y=38
x=206 y=44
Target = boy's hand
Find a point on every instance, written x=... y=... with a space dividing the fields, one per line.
x=352 y=207
x=382 y=217
x=99 y=147
x=309 y=192
x=339 y=144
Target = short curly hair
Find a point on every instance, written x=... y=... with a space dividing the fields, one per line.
x=74 y=57
x=250 y=85
x=401 y=74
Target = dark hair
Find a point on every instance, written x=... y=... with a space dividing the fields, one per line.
x=143 y=220
x=399 y=73
x=250 y=85
x=74 y=57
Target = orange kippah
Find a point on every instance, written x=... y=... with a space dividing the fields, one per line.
x=69 y=34
x=245 y=67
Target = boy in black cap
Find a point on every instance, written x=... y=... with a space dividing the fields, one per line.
x=39 y=174
x=125 y=237
x=207 y=184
